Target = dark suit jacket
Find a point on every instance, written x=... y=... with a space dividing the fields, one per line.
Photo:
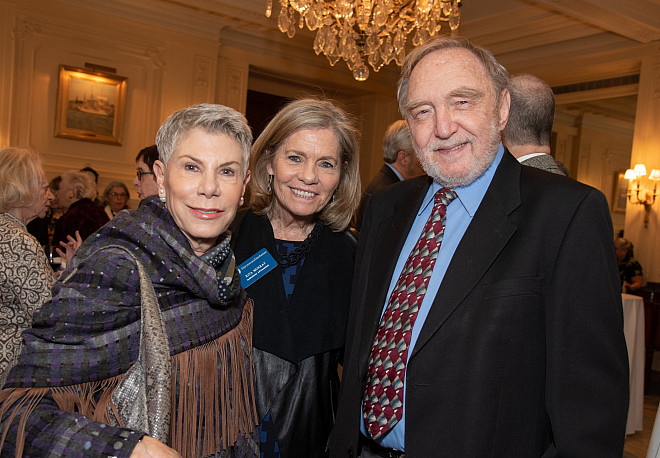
x=384 y=178
x=523 y=352
x=544 y=162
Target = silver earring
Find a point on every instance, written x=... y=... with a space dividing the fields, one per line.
x=162 y=195
x=270 y=180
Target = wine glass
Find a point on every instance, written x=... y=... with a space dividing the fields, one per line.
x=54 y=258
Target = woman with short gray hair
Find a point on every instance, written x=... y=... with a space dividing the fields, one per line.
x=69 y=378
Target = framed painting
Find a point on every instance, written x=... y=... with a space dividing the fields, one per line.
x=90 y=105
x=620 y=197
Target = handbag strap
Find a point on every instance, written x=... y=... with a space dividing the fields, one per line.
x=154 y=352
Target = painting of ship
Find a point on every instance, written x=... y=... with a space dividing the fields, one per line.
x=90 y=110
x=90 y=104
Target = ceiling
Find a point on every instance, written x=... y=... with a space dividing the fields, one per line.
x=563 y=42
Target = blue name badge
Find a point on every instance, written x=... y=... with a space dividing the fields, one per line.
x=256 y=267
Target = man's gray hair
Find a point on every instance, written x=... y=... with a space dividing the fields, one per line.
x=498 y=74
x=532 y=112
x=397 y=138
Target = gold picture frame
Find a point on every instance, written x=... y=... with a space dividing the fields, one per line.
x=90 y=105
x=620 y=197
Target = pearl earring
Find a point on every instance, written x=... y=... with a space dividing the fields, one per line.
x=242 y=201
x=162 y=195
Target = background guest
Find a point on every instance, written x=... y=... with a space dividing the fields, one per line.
x=115 y=198
x=76 y=194
x=145 y=180
x=304 y=189
x=25 y=276
x=89 y=334
x=630 y=270
x=528 y=131
x=400 y=164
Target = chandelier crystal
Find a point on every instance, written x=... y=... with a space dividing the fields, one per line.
x=374 y=31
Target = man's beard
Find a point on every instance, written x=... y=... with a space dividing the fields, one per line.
x=478 y=165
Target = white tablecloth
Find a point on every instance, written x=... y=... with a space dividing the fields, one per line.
x=633 y=328
x=654 y=445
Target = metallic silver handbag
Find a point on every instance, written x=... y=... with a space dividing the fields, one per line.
x=142 y=398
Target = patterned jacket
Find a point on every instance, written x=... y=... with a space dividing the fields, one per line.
x=25 y=282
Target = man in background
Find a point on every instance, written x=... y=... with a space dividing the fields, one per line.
x=400 y=164
x=529 y=129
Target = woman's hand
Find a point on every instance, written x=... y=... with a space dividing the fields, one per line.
x=69 y=248
x=153 y=448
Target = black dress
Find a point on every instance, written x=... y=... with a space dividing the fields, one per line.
x=298 y=340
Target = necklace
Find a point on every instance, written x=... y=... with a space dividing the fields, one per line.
x=300 y=252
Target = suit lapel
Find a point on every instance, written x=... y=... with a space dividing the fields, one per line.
x=389 y=229
x=484 y=239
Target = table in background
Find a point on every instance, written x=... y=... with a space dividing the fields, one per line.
x=633 y=328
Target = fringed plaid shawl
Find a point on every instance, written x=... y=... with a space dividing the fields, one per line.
x=88 y=336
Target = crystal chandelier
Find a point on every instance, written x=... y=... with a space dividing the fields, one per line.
x=371 y=30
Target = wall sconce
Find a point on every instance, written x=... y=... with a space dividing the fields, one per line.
x=642 y=196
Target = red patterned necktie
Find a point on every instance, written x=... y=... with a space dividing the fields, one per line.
x=383 y=396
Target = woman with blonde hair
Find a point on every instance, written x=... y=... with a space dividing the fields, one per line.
x=25 y=276
x=304 y=189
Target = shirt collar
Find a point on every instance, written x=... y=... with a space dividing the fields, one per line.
x=469 y=196
x=398 y=174
x=529 y=156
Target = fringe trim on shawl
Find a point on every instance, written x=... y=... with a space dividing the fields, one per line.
x=227 y=409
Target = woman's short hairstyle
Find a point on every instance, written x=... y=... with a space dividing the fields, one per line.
x=21 y=172
x=498 y=74
x=82 y=184
x=211 y=118
x=149 y=155
x=115 y=184
x=309 y=114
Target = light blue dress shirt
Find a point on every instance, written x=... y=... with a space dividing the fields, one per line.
x=459 y=215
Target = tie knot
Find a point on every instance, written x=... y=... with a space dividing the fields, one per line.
x=444 y=196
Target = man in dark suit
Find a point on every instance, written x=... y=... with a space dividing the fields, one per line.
x=513 y=345
x=400 y=164
x=529 y=128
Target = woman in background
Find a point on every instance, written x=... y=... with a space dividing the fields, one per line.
x=76 y=194
x=115 y=198
x=145 y=179
x=25 y=275
x=305 y=186
x=629 y=269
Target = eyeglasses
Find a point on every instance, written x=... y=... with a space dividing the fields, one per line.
x=140 y=174
x=118 y=194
